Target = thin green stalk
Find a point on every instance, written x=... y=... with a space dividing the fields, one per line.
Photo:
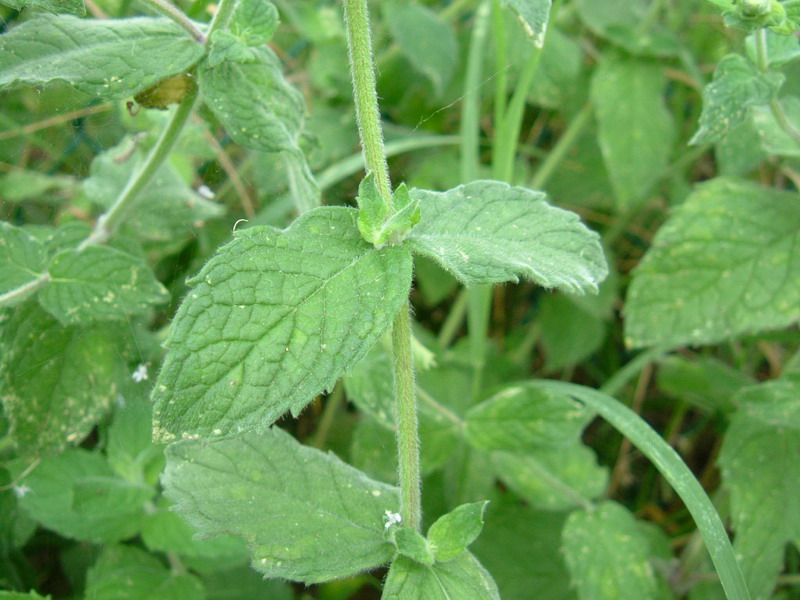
x=479 y=308
x=365 y=95
x=677 y=474
x=762 y=60
x=562 y=147
x=507 y=136
x=501 y=65
x=332 y=406
x=455 y=317
x=407 y=422
x=109 y=222
x=623 y=376
x=470 y=108
x=176 y=14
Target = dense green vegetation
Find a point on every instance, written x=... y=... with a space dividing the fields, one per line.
x=547 y=351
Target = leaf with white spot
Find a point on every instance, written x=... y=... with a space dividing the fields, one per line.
x=22 y=261
x=306 y=515
x=99 y=283
x=727 y=262
x=760 y=463
x=607 y=554
x=57 y=382
x=275 y=318
x=737 y=85
x=103 y=57
x=490 y=232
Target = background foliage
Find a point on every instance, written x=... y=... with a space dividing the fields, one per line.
x=669 y=126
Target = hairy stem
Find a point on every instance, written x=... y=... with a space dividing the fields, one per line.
x=407 y=425
x=176 y=14
x=365 y=95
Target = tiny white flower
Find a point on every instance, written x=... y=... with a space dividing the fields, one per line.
x=205 y=192
x=392 y=519
x=140 y=374
x=21 y=490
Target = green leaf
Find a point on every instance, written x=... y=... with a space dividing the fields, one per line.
x=635 y=130
x=570 y=334
x=772 y=137
x=621 y=21
x=411 y=544
x=20 y=596
x=244 y=584
x=22 y=261
x=74 y=7
x=607 y=554
x=525 y=417
x=26 y=184
x=781 y=49
x=737 y=85
x=704 y=381
x=372 y=210
x=533 y=16
x=725 y=263
x=490 y=232
x=225 y=46
x=16 y=527
x=306 y=515
x=78 y=495
x=57 y=382
x=275 y=318
x=450 y=534
x=252 y=100
x=522 y=549
x=557 y=479
x=102 y=57
x=99 y=284
x=254 y=21
x=760 y=462
x=165 y=531
x=127 y=573
x=429 y=43
x=129 y=447
x=168 y=210
x=463 y=578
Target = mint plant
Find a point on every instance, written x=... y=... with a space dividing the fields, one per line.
x=155 y=334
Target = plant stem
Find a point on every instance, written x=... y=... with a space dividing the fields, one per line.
x=362 y=70
x=407 y=425
x=470 y=109
x=109 y=222
x=176 y=14
x=762 y=60
x=562 y=147
x=19 y=294
x=221 y=17
x=365 y=95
